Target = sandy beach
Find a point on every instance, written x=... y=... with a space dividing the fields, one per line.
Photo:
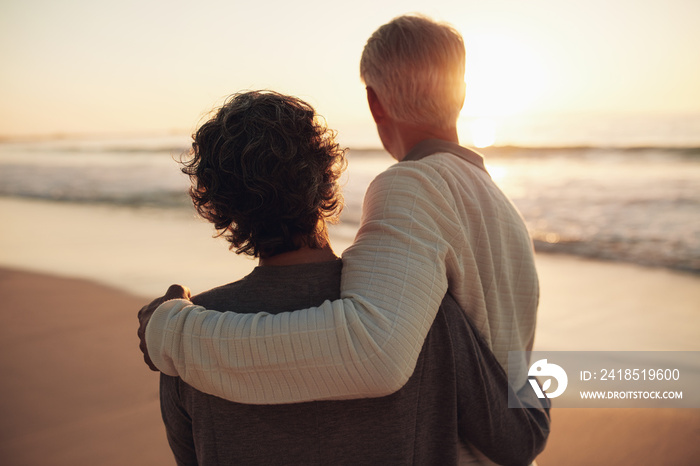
x=75 y=391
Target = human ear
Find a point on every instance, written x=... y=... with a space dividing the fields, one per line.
x=375 y=106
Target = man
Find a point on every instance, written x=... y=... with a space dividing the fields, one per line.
x=433 y=223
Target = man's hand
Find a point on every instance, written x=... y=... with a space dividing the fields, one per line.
x=174 y=292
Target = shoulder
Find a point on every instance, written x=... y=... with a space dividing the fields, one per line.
x=437 y=178
x=435 y=169
x=409 y=179
x=276 y=288
x=211 y=297
x=447 y=166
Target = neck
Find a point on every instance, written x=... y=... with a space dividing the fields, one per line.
x=304 y=255
x=407 y=135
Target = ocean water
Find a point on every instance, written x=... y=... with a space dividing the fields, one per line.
x=637 y=205
x=615 y=202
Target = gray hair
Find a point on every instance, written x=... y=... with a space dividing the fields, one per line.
x=416 y=67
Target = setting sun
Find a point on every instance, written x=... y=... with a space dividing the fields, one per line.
x=504 y=76
x=483 y=132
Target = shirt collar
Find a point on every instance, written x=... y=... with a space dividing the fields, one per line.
x=435 y=146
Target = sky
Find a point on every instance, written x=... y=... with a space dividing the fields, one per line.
x=140 y=66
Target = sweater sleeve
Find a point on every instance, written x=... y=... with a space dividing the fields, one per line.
x=365 y=344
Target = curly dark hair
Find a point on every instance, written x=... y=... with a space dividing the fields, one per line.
x=265 y=171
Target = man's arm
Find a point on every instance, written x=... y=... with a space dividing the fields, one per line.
x=363 y=345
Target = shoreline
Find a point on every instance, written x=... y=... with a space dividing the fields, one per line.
x=585 y=304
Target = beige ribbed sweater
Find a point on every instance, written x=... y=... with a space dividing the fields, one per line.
x=427 y=226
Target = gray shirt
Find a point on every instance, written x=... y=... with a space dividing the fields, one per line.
x=458 y=392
